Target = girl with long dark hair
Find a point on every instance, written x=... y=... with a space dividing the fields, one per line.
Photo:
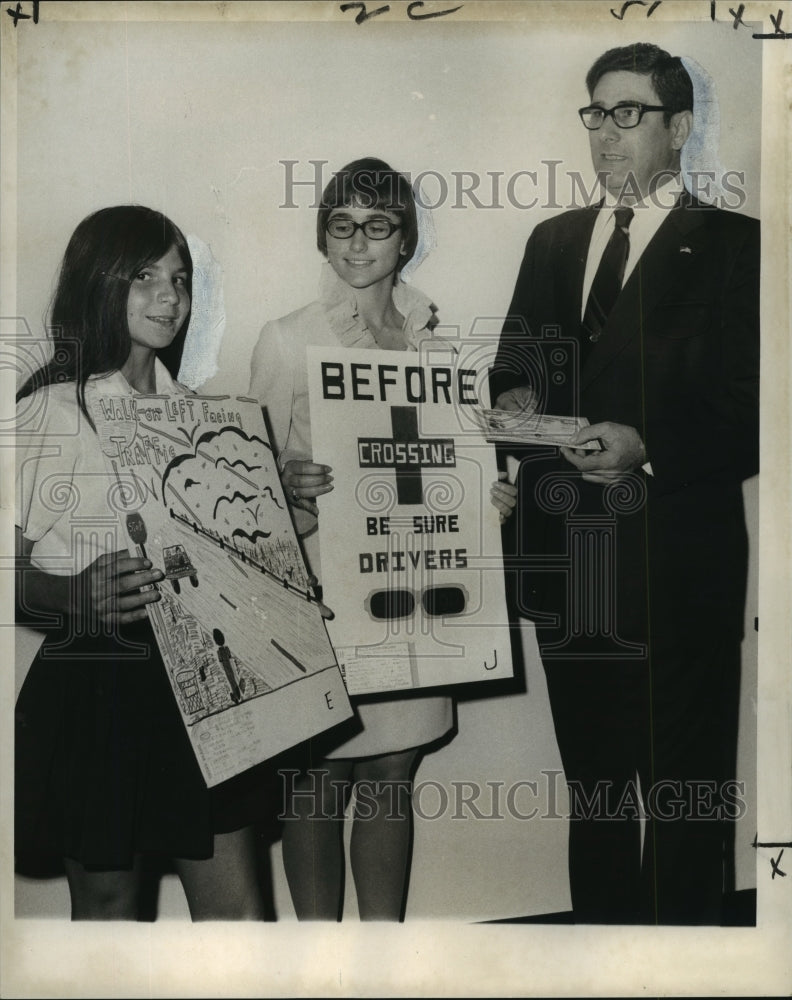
x=105 y=773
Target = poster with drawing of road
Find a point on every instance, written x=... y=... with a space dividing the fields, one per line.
x=238 y=625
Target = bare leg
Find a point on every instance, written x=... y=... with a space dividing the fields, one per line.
x=313 y=850
x=382 y=833
x=103 y=895
x=225 y=886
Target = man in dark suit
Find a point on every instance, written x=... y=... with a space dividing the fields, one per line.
x=641 y=315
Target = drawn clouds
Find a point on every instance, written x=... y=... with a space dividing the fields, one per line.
x=218 y=486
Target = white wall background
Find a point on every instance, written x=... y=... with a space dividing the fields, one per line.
x=193 y=119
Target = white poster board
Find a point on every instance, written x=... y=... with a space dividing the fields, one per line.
x=410 y=543
x=240 y=632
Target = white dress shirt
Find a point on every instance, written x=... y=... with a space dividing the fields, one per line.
x=649 y=215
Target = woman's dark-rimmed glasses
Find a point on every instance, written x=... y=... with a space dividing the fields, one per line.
x=373 y=229
x=626 y=115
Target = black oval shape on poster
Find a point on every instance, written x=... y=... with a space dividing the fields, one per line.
x=387 y=605
x=444 y=601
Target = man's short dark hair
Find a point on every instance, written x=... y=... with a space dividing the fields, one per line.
x=669 y=77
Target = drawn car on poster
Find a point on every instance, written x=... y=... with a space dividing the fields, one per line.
x=178 y=565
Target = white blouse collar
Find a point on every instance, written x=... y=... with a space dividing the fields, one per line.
x=340 y=305
x=114 y=383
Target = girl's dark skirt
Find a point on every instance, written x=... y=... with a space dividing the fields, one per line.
x=104 y=768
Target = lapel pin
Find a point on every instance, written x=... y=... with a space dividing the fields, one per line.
x=684 y=249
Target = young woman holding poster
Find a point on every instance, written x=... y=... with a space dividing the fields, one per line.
x=368 y=229
x=105 y=773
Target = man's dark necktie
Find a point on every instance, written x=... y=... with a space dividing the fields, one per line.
x=607 y=281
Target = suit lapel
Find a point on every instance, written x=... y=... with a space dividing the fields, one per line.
x=653 y=275
x=572 y=269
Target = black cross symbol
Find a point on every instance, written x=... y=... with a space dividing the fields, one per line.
x=409 y=485
x=406 y=453
x=17 y=14
x=775 y=863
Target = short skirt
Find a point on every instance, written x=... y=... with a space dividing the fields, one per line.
x=387 y=724
x=104 y=768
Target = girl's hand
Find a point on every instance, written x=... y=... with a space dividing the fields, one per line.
x=503 y=496
x=304 y=481
x=108 y=590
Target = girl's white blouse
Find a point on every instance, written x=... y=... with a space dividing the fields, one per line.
x=68 y=502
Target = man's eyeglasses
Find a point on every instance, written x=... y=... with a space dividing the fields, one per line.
x=626 y=115
x=373 y=229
